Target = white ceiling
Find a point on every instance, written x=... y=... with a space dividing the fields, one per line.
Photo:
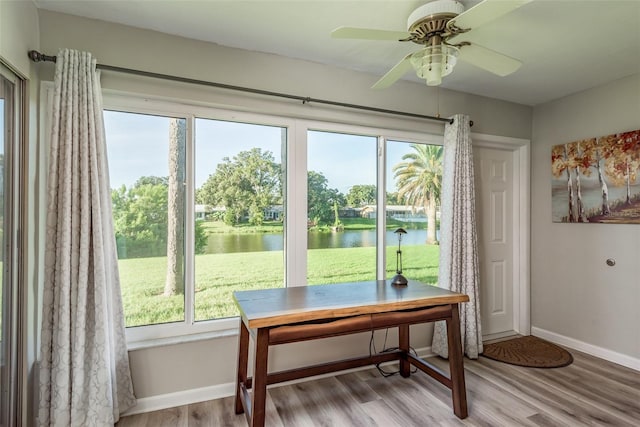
x=565 y=45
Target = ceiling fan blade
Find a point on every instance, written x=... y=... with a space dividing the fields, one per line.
x=485 y=11
x=367 y=34
x=490 y=60
x=394 y=74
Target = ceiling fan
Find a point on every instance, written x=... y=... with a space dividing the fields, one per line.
x=442 y=28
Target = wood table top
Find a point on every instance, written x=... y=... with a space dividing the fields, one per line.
x=282 y=306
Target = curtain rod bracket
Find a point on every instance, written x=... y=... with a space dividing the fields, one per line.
x=306 y=100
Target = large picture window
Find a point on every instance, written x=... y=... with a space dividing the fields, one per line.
x=207 y=202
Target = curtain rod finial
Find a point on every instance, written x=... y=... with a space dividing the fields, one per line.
x=36 y=56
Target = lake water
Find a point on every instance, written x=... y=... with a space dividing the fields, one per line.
x=229 y=243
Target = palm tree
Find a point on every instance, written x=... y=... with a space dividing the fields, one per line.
x=419 y=181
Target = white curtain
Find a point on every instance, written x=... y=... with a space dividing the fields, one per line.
x=84 y=367
x=459 y=270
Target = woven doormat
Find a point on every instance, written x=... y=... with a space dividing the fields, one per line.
x=528 y=351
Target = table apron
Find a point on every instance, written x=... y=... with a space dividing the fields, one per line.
x=350 y=325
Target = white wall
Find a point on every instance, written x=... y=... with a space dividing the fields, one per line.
x=147 y=50
x=575 y=297
x=162 y=370
x=19 y=34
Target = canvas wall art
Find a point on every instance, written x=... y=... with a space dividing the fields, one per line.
x=596 y=179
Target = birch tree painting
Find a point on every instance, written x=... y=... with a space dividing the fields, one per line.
x=596 y=179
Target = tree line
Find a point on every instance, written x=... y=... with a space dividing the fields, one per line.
x=249 y=183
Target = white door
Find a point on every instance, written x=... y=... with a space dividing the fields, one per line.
x=495 y=214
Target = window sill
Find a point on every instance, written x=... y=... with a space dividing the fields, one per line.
x=165 y=336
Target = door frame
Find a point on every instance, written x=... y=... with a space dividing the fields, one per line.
x=521 y=209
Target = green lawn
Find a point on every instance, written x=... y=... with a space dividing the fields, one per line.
x=370 y=224
x=221 y=227
x=218 y=275
x=277 y=226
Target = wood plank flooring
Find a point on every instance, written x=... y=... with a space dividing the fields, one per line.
x=590 y=392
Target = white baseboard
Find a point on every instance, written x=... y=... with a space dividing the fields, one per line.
x=179 y=398
x=186 y=397
x=603 y=353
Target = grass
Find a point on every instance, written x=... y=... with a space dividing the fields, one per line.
x=218 y=275
x=244 y=228
x=370 y=224
x=277 y=226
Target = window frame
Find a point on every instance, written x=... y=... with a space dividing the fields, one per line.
x=295 y=230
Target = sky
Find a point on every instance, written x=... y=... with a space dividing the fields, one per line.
x=137 y=145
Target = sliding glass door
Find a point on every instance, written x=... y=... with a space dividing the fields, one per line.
x=9 y=154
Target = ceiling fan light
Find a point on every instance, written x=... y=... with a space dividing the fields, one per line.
x=434 y=62
x=433 y=79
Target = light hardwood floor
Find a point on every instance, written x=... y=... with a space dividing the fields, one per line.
x=589 y=392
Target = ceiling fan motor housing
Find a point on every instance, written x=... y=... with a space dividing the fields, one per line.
x=431 y=19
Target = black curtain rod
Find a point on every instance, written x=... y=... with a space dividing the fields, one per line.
x=36 y=56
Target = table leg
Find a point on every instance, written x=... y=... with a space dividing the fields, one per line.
x=259 y=398
x=456 y=366
x=403 y=345
x=243 y=359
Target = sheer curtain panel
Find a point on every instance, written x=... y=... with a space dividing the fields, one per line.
x=84 y=367
x=459 y=268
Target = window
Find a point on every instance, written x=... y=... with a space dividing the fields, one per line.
x=239 y=186
x=341 y=207
x=208 y=201
x=414 y=178
x=147 y=163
